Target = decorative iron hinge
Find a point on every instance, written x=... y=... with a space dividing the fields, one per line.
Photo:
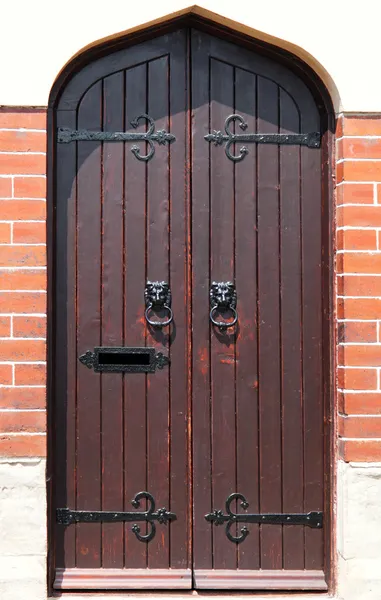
x=65 y=136
x=312 y=140
x=312 y=519
x=65 y=516
x=124 y=359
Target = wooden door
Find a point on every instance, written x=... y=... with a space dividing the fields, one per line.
x=257 y=387
x=188 y=454
x=121 y=219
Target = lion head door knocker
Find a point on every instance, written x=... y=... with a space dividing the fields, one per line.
x=223 y=297
x=157 y=296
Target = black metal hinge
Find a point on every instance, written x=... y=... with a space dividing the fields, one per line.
x=161 y=137
x=312 y=519
x=311 y=140
x=65 y=516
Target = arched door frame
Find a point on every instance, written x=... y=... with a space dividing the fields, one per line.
x=325 y=106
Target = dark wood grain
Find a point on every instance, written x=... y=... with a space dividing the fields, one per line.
x=291 y=339
x=201 y=414
x=112 y=320
x=247 y=351
x=135 y=408
x=65 y=350
x=312 y=341
x=268 y=322
x=88 y=327
x=222 y=345
x=158 y=223
x=180 y=531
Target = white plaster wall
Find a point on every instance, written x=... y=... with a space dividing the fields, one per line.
x=359 y=531
x=23 y=533
x=339 y=37
x=22 y=529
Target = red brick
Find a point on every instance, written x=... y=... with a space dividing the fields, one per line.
x=20 y=397
x=359 y=285
x=351 y=331
x=5 y=233
x=339 y=126
x=361 y=147
x=22 y=210
x=23 y=302
x=360 y=427
x=6 y=376
x=357 y=239
x=5 y=326
x=22 y=141
x=22 y=421
x=23 y=445
x=28 y=164
x=357 y=379
x=360 y=450
x=359 y=308
x=361 y=125
x=31 y=233
x=359 y=216
x=29 y=187
x=26 y=118
x=355 y=193
x=363 y=262
x=5 y=187
x=363 y=170
x=361 y=404
x=29 y=327
x=30 y=374
x=362 y=355
x=20 y=256
x=23 y=280
x=21 y=350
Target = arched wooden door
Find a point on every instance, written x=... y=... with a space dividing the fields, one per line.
x=190 y=454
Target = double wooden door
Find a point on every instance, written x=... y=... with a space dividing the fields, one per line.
x=210 y=431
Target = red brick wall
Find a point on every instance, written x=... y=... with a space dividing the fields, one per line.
x=358 y=198
x=23 y=284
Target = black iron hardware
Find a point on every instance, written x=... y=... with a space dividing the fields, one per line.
x=157 y=296
x=312 y=519
x=223 y=296
x=65 y=136
x=65 y=516
x=312 y=140
x=124 y=360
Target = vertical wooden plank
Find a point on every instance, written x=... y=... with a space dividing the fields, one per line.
x=222 y=345
x=158 y=270
x=291 y=317
x=65 y=339
x=268 y=319
x=135 y=434
x=112 y=320
x=312 y=340
x=88 y=327
x=180 y=532
x=201 y=443
x=246 y=345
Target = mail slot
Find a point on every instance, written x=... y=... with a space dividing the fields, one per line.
x=124 y=359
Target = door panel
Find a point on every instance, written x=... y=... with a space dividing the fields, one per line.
x=260 y=382
x=125 y=226
x=238 y=410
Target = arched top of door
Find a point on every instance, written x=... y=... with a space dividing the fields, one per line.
x=66 y=94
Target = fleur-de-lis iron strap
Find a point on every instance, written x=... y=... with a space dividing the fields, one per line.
x=65 y=516
x=218 y=138
x=161 y=137
x=312 y=519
